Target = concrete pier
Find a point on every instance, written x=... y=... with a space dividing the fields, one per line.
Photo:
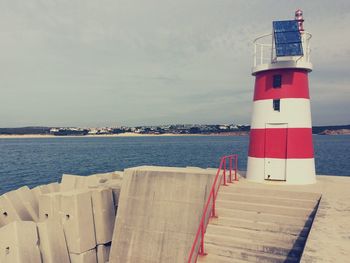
x=158 y=214
x=329 y=238
x=273 y=222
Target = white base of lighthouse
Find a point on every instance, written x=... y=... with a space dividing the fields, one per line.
x=288 y=171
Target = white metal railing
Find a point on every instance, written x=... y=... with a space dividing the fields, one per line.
x=265 y=51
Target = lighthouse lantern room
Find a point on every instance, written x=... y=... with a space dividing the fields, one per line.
x=280 y=147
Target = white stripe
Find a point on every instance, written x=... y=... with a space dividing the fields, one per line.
x=298 y=171
x=295 y=112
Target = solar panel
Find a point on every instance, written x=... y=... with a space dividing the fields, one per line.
x=285 y=26
x=287 y=38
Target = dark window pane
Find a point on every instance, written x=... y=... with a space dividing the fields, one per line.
x=276 y=105
x=277 y=81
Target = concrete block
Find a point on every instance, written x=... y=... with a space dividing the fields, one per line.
x=81 y=182
x=158 y=213
x=36 y=193
x=52 y=242
x=93 y=180
x=53 y=187
x=110 y=176
x=86 y=257
x=71 y=182
x=18 y=204
x=77 y=220
x=49 y=206
x=8 y=212
x=115 y=185
x=19 y=243
x=2 y=223
x=104 y=214
x=118 y=175
x=39 y=190
x=68 y=182
x=103 y=253
x=29 y=202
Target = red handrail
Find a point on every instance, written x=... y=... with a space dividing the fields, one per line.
x=212 y=198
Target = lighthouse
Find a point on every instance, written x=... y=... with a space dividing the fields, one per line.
x=280 y=146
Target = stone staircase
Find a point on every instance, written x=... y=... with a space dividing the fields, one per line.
x=259 y=224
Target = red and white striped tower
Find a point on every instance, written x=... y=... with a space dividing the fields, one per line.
x=281 y=147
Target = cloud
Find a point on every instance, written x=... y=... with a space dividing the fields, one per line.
x=152 y=62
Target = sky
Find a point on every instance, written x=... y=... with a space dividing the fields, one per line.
x=101 y=63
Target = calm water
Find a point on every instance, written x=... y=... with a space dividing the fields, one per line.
x=38 y=161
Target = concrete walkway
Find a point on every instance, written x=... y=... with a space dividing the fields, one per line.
x=250 y=213
x=257 y=223
x=329 y=239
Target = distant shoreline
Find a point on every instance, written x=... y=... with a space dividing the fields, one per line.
x=127 y=134
x=131 y=134
x=146 y=131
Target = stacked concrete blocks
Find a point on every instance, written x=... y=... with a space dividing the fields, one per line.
x=45 y=189
x=18 y=204
x=103 y=253
x=72 y=221
x=105 y=180
x=104 y=214
x=49 y=206
x=19 y=243
x=77 y=220
x=53 y=245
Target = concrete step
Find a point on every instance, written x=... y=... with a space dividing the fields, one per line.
x=258 y=216
x=267 y=191
x=252 y=246
x=241 y=254
x=260 y=226
x=211 y=258
x=264 y=208
x=258 y=236
x=268 y=200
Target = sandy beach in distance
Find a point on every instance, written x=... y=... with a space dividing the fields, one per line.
x=127 y=134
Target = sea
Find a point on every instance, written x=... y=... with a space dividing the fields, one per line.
x=37 y=161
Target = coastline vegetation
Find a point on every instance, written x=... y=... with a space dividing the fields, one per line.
x=178 y=129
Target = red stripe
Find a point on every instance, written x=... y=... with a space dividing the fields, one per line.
x=290 y=143
x=294 y=84
x=276 y=143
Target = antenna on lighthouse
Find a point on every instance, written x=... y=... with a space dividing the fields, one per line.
x=300 y=19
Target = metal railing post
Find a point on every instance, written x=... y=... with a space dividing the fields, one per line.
x=230 y=166
x=201 y=248
x=236 y=167
x=225 y=184
x=213 y=206
x=255 y=54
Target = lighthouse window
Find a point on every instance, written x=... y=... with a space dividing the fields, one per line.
x=277 y=81
x=276 y=105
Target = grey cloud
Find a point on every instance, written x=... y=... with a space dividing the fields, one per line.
x=85 y=62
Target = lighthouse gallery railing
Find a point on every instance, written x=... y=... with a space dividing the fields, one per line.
x=265 y=51
x=209 y=209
